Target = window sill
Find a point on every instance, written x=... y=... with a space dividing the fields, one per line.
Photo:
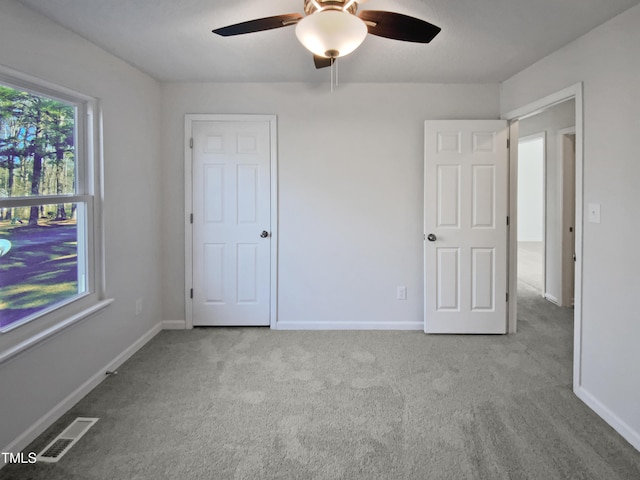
x=58 y=327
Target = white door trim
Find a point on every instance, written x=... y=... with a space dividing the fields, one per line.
x=567 y=131
x=189 y=119
x=575 y=91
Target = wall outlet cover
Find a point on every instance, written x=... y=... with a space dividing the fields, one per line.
x=594 y=212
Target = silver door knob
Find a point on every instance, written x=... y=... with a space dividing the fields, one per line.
x=264 y=234
x=431 y=237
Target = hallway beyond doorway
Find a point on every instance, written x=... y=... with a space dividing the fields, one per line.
x=530 y=264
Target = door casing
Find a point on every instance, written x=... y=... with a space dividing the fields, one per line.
x=576 y=92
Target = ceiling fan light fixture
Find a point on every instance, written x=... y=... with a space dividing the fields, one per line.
x=331 y=33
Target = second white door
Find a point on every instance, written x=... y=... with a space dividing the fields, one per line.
x=465 y=254
x=231 y=223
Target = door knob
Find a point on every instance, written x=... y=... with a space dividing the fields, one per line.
x=431 y=237
x=264 y=234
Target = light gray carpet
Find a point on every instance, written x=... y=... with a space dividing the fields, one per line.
x=248 y=403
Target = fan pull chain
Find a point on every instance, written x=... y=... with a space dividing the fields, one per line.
x=332 y=67
x=334 y=77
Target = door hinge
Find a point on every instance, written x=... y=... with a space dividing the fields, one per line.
x=507 y=297
x=191 y=293
x=508 y=143
x=191 y=217
x=507 y=219
x=191 y=142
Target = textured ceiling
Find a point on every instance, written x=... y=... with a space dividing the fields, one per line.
x=482 y=41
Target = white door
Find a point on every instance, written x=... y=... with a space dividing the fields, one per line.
x=231 y=222
x=465 y=247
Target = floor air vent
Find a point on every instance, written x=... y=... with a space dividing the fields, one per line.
x=63 y=442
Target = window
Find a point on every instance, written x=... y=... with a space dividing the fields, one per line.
x=48 y=208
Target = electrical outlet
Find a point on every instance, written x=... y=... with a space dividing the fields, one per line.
x=138 y=306
x=402 y=293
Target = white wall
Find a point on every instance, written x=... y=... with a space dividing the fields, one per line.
x=607 y=60
x=34 y=382
x=350 y=192
x=531 y=190
x=550 y=122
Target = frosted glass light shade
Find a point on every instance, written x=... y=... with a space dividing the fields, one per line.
x=331 y=33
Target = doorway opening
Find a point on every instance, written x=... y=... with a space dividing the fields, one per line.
x=531 y=208
x=546 y=203
x=559 y=118
x=230 y=220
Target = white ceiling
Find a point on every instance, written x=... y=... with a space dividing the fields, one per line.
x=482 y=41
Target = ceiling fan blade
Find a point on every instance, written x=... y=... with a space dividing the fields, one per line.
x=267 y=23
x=398 y=26
x=322 y=62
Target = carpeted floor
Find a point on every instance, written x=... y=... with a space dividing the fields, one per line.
x=248 y=403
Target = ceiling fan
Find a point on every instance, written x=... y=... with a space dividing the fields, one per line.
x=334 y=28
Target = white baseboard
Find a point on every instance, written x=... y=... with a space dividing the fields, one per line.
x=552 y=299
x=350 y=326
x=174 y=324
x=628 y=433
x=74 y=397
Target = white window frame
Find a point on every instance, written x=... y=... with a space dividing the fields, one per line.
x=24 y=335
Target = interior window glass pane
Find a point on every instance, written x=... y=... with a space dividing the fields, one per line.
x=42 y=265
x=37 y=145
